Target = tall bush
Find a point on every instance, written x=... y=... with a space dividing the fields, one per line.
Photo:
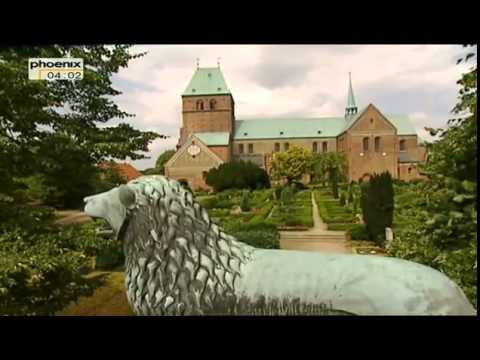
x=245 y=202
x=377 y=205
x=237 y=175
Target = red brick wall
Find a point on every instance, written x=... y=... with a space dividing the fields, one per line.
x=221 y=119
x=360 y=162
x=222 y=151
x=407 y=171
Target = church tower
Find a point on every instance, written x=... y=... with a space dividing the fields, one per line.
x=351 y=108
x=207 y=104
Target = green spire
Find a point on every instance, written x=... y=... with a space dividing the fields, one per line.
x=351 y=108
x=207 y=81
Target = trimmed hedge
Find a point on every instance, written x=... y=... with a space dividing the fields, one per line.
x=237 y=175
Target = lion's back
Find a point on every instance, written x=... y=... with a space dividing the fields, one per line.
x=363 y=285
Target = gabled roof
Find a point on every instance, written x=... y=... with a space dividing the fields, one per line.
x=401 y=122
x=207 y=81
x=127 y=171
x=214 y=138
x=277 y=128
x=201 y=144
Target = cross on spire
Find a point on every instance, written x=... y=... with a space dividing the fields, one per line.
x=198 y=63
x=218 y=62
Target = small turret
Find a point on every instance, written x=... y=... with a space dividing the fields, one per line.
x=351 y=108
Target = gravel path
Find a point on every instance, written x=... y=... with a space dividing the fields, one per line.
x=317 y=238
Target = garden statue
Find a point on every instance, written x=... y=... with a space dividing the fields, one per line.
x=178 y=262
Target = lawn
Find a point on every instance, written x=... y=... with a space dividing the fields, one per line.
x=336 y=216
x=297 y=214
x=108 y=299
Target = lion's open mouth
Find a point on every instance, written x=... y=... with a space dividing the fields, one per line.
x=104 y=229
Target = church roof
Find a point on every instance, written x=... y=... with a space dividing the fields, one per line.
x=214 y=138
x=207 y=81
x=273 y=128
x=278 y=128
x=401 y=122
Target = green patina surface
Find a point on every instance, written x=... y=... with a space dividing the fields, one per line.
x=207 y=81
x=214 y=138
x=278 y=128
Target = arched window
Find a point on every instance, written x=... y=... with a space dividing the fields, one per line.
x=213 y=104
x=409 y=170
x=240 y=148
x=403 y=146
x=365 y=144
x=314 y=147
x=199 y=105
x=277 y=147
x=377 y=143
x=250 y=148
x=286 y=146
x=324 y=146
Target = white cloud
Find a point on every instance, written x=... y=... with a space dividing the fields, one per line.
x=419 y=80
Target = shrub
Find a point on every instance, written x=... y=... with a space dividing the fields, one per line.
x=208 y=202
x=259 y=239
x=245 y=203
x=342 y=199
x=37 y=276
x=259 y=234
x=286 y=196
x=32 y=219
x=358 y=232
x=334 y=182
x=237 y=175
x=350 y=195
x=377 y=206
x=277 y=193
x=299 y=186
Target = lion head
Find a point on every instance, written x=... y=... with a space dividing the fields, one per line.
x=175 y=255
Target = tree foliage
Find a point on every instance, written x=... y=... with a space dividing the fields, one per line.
x=162 y=159
x=59 y=128
x=443 y=233
x=324 y=164
x=237 y=175
x=292 y=164
x=377 y=202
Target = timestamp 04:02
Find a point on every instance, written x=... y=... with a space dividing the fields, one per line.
x=58 y=75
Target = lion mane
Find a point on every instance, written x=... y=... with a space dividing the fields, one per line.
x=177 y=260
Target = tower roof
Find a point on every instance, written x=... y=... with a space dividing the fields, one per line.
x=351 y=98
x=207 y=81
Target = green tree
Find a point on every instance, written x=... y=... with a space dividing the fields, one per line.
x=443 y=233
x=330 y=167
x=58 y=128
x=377 y=202
x=323 y=163
x=292 y=164
x=162 y=159
x=237 y=175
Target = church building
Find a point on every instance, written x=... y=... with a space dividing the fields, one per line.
x=211 y=134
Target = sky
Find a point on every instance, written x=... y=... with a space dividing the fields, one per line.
x=292 y=80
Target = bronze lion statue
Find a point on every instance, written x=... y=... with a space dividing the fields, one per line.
x=178 y=262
